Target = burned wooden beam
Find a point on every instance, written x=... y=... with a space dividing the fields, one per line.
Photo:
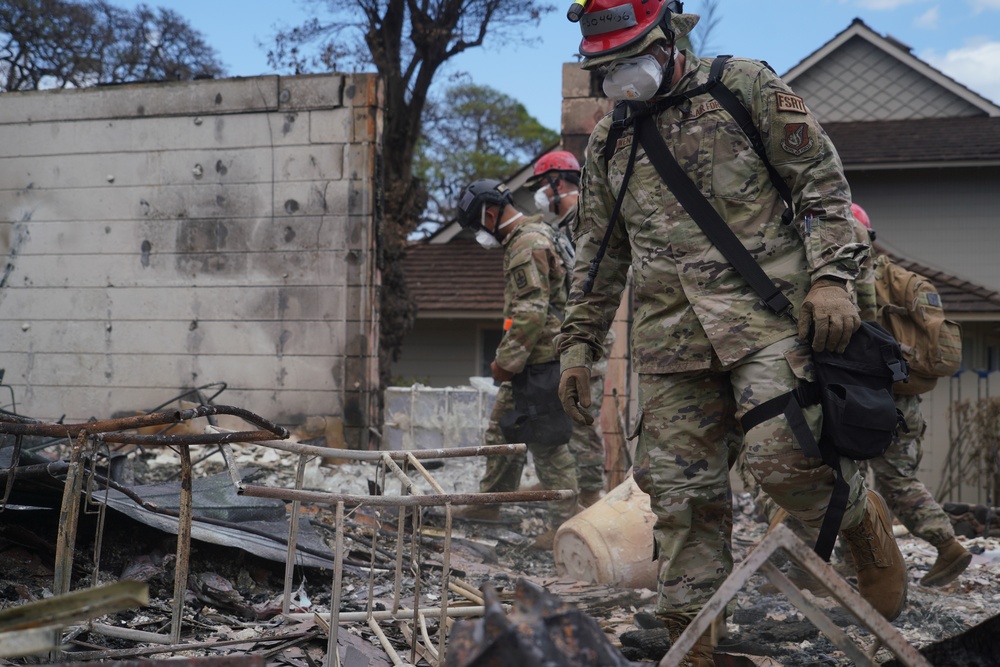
x=78 y=605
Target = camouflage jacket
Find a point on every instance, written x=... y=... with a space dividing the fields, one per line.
x=534 y=296
x=864 y=284
x=689 y=301
x=566 y=228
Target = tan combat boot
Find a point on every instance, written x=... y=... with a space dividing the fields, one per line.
x=881 y=571
x=701 y=654
x=952 y=560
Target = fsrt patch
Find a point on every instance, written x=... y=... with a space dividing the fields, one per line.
x=789 y=102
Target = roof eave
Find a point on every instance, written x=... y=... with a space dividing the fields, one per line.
x=920 y=164
x=460 y=314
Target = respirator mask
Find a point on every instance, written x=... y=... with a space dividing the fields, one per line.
x=541 y=200
x=633 y=79
x=488 y=239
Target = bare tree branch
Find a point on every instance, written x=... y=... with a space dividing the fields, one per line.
x=406 y=42
x=61 y=43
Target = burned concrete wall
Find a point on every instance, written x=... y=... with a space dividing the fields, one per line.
x=158 y=237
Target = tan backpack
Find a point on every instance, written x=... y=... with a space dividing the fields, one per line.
x=909 y=307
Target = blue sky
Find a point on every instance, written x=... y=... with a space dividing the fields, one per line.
x=960 y=37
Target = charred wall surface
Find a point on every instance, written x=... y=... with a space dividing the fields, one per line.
x=158 y=237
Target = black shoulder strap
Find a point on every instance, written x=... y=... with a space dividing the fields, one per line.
x=595 y=263
x=715 y=228
x=724 y=96
x=617 y=127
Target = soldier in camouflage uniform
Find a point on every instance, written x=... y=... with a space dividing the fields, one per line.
x=534 y=301
x=895 y=472
x=556 y=180
x=705 y=348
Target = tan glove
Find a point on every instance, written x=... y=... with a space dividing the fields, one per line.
x=574 y=392
x=828 y=308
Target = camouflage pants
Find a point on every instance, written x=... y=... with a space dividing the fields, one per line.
x=587 y=442
x=555 y=465
x=687 y=425
x=895 y=475
x=895 y=478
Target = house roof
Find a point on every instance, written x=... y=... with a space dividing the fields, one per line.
x=455 y=279
x=866 y=83
x=462 y=279
x=943 y=142
x=959 y=296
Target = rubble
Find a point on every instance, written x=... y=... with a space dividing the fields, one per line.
x=407 y=573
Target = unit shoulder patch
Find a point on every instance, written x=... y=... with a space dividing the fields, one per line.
x=520 y=278
x=789 y=102
x=524 y=277
x=797 y=139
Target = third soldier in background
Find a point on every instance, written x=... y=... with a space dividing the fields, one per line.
x=895 y=472
x=556 y=181
x=534 y=301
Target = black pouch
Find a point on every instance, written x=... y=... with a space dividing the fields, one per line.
x=855 y=388
x=538 y=417
x=859 y=414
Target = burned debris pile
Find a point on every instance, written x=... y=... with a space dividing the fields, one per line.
x=251 y=542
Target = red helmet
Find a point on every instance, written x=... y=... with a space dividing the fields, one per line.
x=860 y=215
x=554 y=161
x=612 y=25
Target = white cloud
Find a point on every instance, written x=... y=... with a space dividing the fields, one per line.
x=893 y=4
x=973 y=65
x=928 y=19
x=984 y=5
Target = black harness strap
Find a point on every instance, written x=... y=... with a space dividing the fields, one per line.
x=703 y=213
x=790 y=406
x=595 y=264
x=724 y=96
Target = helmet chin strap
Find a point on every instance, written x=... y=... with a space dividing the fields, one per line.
x=505 y=224
x=499 y=225
x=554 y=186
x=668 y=73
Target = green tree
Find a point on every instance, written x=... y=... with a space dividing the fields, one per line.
x=472 y=132
x=65 y=44
x=407 y=42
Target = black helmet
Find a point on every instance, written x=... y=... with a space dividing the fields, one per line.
x=485 y=191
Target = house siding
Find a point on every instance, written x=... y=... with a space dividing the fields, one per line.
x=443 y=352
x=916 y=212
x=163 y=236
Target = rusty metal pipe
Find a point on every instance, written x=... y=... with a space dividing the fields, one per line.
x=183 y=546
x=15 y=424
x=166 y=439
x=376 y=455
